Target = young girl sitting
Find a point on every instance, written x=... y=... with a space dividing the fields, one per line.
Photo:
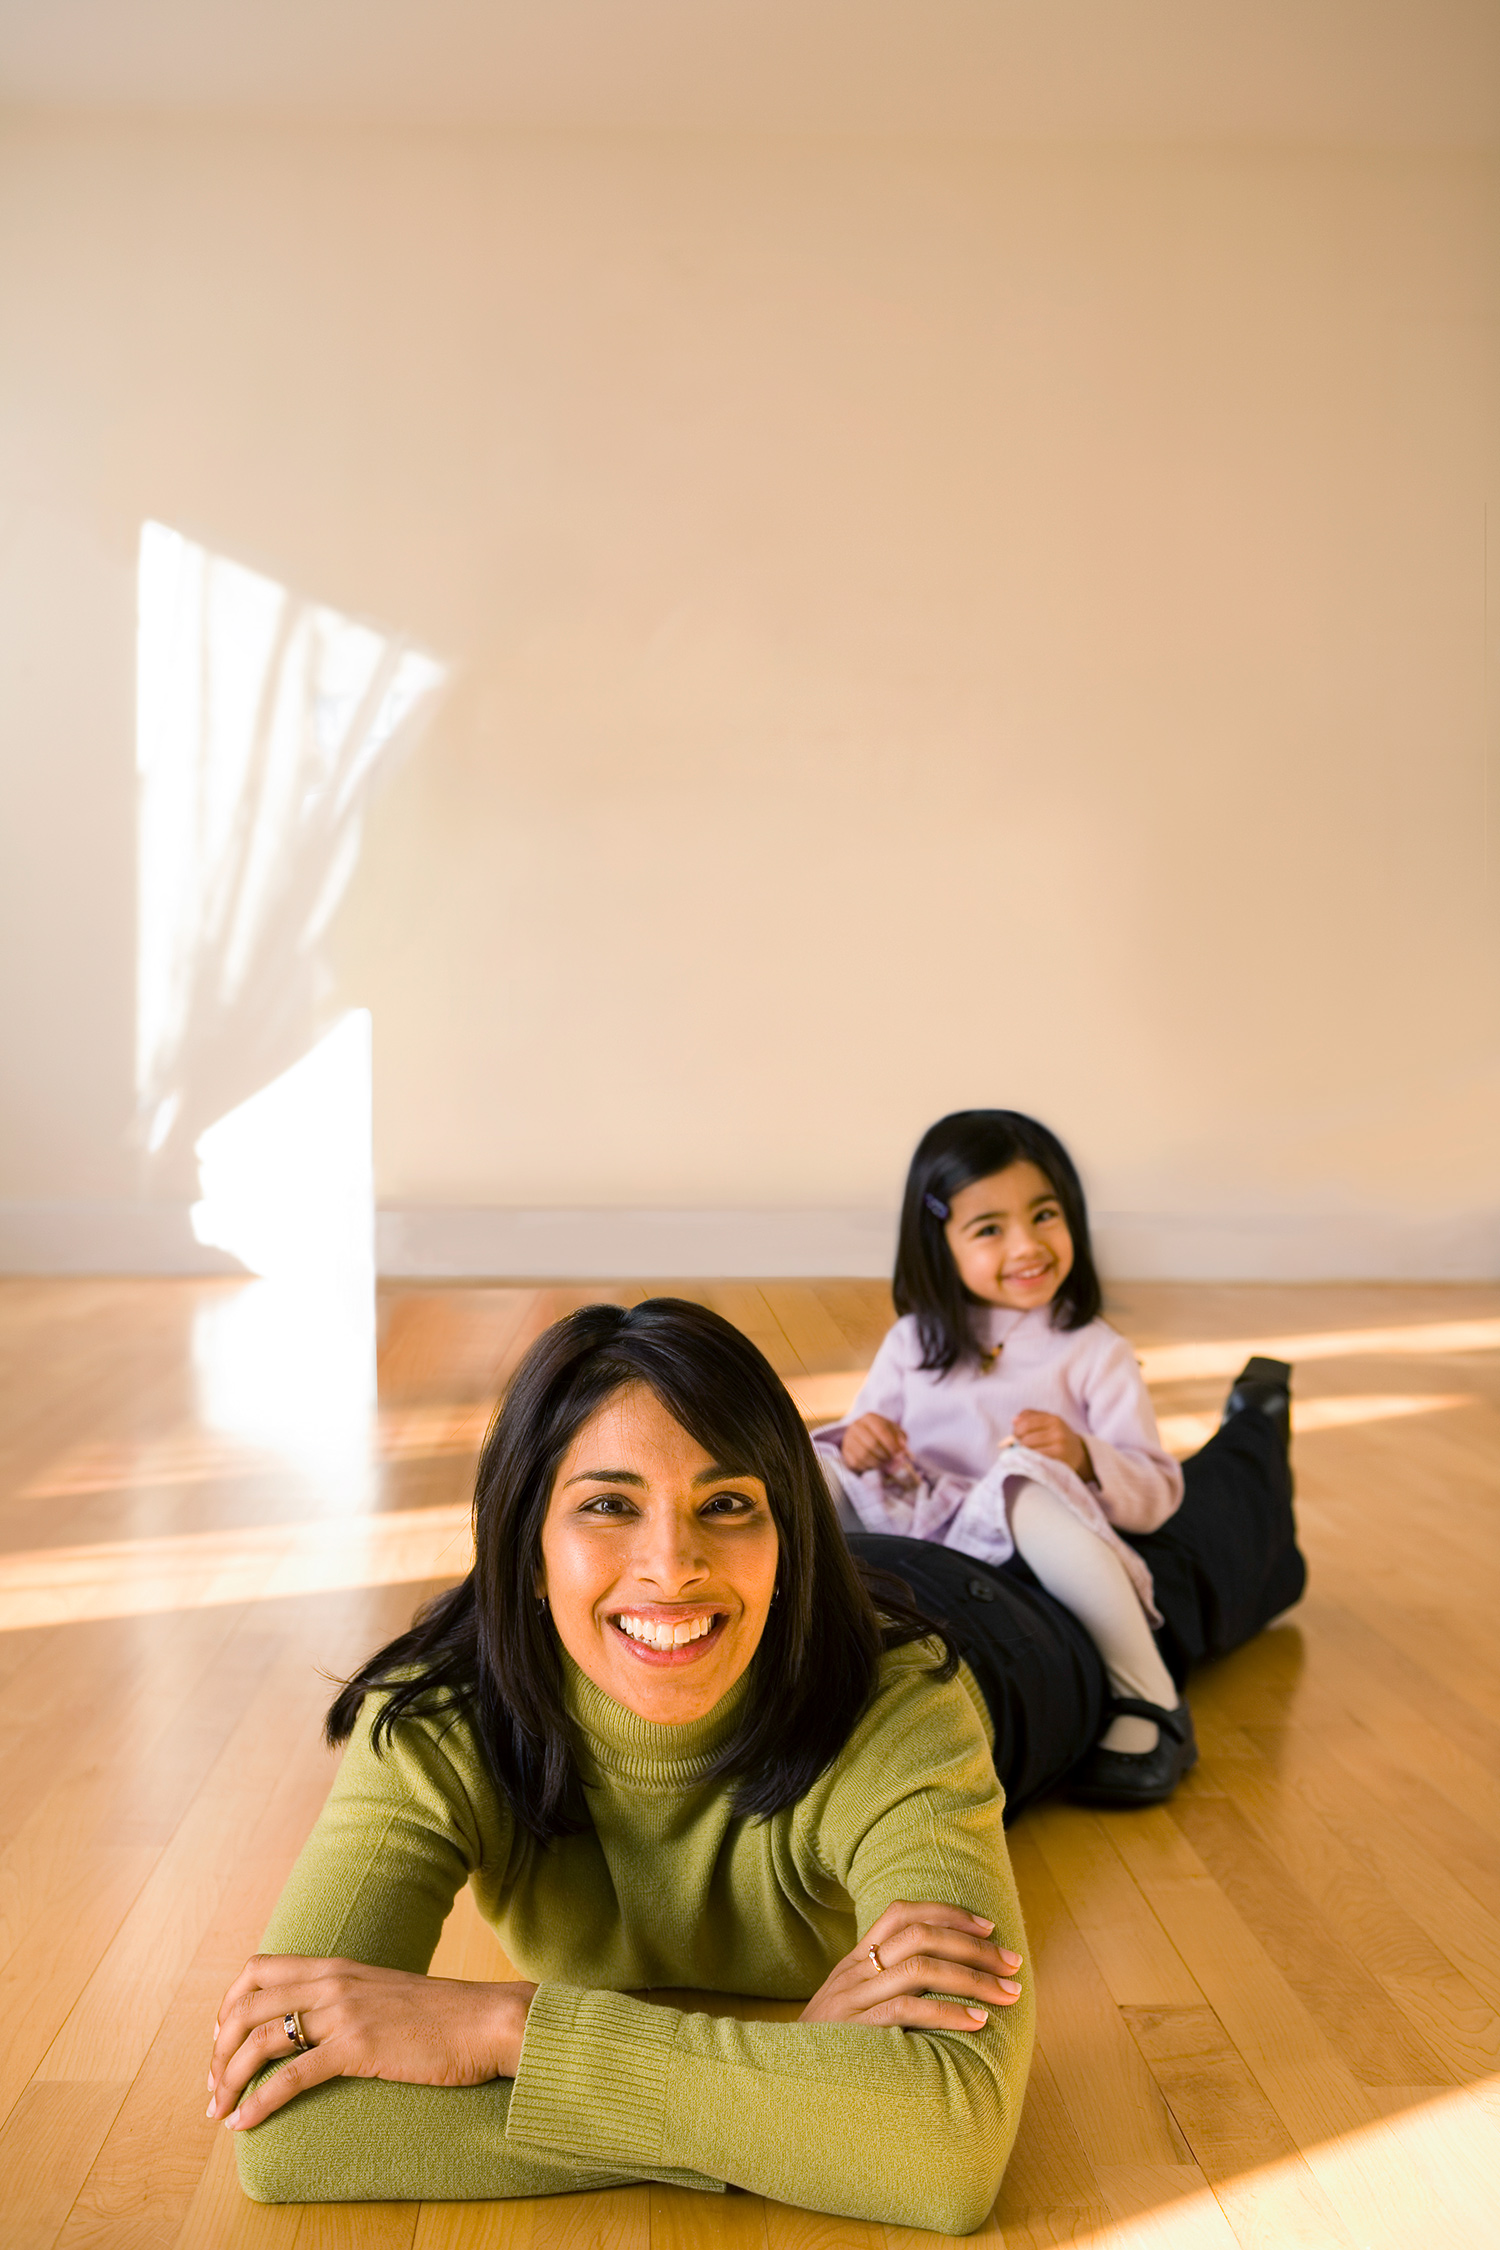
x=1004 y=1417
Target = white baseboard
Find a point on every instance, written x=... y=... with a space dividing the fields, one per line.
x=121 y=1237
x=444 y=1243
x=650 y=1245
x=1344 y=1246
x=655 y=1245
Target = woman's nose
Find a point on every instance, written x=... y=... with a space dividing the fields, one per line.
x=670 y=1556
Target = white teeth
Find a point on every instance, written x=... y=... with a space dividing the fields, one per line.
x=655 y=1632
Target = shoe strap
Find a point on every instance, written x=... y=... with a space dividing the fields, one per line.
x=1174 y=1723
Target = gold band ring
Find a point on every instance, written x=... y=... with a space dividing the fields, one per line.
x=875 y=1961
x=292 y=2026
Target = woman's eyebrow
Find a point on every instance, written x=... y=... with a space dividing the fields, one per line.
x=715 y=1474
x=607 y=1476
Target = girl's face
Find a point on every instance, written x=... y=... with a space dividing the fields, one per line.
x=658 y=1566
x=1009 y=1239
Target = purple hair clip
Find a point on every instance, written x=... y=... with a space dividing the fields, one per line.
x=936 y=1206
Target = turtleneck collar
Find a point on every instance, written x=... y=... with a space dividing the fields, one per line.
x=647 y=1755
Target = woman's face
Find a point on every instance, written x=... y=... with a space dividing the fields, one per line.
x=1009 y=1239
x=658 y=1565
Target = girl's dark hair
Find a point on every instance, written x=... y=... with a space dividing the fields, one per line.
x=969 y=1145
x=490 y=1644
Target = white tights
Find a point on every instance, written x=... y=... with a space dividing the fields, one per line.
x=1079 y=1570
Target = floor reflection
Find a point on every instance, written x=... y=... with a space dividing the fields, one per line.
x=214 y=1569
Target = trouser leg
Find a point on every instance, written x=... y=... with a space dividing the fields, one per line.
x=1040 y=1674
x=1227 y=1562
x=1222 y=1567
x=1087 y=1576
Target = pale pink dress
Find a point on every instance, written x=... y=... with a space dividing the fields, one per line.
x=954 y=1425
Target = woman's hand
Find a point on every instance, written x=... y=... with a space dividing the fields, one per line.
x=1050 y=1435
x=920 y=1950
x=362 y=2023
x=872 y=1441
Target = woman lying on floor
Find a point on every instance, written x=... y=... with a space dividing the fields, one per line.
x=664 y=1733
x=667 y=1736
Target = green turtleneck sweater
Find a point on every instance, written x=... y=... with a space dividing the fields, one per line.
x=670 y=1888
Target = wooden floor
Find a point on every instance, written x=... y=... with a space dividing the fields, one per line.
x=1270 y=2013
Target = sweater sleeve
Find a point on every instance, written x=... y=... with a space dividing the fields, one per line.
x=1140 y=1484
x=398 y=1837
x=911 y=2128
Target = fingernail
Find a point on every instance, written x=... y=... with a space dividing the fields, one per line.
x=209 y=2081
x=1012 y=1959
x=977 y=2015
x=1006 y=1986
x=980 y=1923
x=210 y=2109
x=216 y=2027
x=231 y=2122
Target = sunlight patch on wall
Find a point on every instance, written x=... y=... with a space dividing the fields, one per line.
x=289 y=1189
x=264 y=722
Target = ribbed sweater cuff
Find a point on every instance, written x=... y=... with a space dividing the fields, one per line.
x=593 y=2077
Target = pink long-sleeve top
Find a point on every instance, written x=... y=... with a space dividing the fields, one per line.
x=955 y=1423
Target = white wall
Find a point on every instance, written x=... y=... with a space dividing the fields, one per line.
x=932 y=626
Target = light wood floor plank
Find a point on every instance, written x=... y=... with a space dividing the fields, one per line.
x=1164 y=2207
x=1409 y=1866
x=1117 y=2111
x=1238 y=2142
x=358 y=2226
x=46 y=2148
x=1379 y=2046
x=1127 y=1943
x=1459 y=2028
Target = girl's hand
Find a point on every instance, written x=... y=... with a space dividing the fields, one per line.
x=872 y=1441
x=1050 y=1435
x=921 y=1949
x=363 y=2023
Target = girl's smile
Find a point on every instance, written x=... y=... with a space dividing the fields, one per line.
x=658 y=1564
x=1009 y=1239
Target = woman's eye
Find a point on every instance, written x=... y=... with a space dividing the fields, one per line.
x=608 y=1504
x=728 y=1504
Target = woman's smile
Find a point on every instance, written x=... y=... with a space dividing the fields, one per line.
x=669 y=1636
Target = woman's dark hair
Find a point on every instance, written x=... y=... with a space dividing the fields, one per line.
x=492 y=1646
x=966 y=1146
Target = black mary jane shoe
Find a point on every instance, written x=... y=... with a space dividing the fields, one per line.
x=1138 y=1777
x=1266 y=1385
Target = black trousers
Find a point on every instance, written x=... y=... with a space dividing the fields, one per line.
x=1223 y=1566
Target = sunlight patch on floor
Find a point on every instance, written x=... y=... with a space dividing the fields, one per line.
x=1185 y=1363
x=215 y=1569
x=196 y=1456
x=1450 y=2144
x=1184 y=1433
